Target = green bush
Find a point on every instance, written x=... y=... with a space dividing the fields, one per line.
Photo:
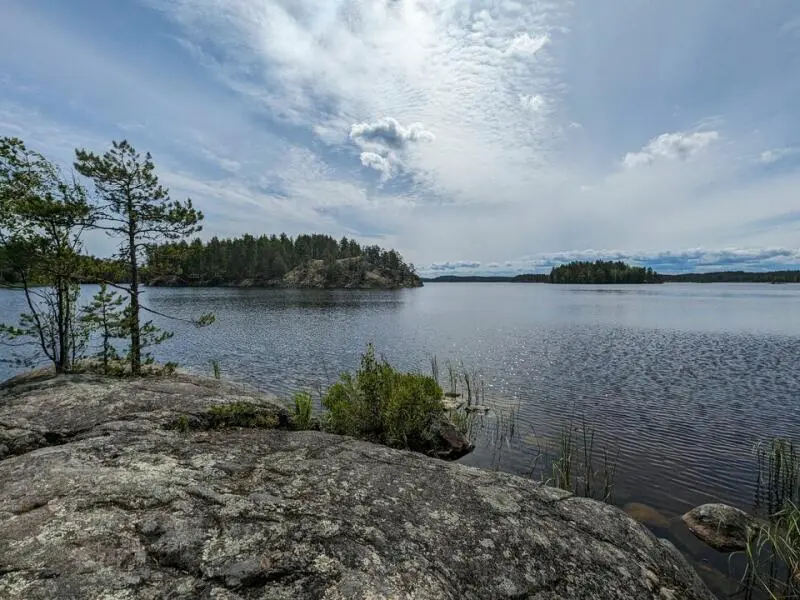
x=385 y=406
x=303 y=408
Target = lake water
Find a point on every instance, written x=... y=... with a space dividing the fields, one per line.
x=678 y=381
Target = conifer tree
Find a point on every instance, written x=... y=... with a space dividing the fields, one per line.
x=136 y=208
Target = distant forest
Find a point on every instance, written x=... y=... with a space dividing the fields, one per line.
x=603 y=272
x=89 y=269
x=580 y=273
x=737 y=277
x=598 y=272
x=262 y=259
x=267 y=258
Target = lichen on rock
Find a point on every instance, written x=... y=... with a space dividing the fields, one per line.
x=99 y=499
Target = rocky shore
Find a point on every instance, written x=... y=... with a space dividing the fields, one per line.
x=105 y=494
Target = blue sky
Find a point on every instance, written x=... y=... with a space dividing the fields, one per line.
x=475 y=137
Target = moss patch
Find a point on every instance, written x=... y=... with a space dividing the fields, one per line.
x=236 y=414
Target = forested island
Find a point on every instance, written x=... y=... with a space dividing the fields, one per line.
x=598 y=272
x=307 y=261
x=737 y=277
x=605 y=272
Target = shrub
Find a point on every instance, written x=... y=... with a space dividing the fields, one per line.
x=385 y=406
x=303 y=406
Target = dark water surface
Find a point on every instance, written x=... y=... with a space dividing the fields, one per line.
x=680 y=379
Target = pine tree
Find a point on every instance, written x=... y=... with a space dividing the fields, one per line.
x=105 y=315
x=136 y=207
x=42 y=218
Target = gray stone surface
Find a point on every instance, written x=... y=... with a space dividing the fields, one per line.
x=722 y=527
x=99 y=500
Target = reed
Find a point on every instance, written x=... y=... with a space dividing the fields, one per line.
x=434 y=368
x=773 y=556
x=773 y=551
x=579 y=466
x=562 y=465
x=778 y=475
x=452 y=375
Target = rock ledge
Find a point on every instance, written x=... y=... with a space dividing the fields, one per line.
x=99 y=499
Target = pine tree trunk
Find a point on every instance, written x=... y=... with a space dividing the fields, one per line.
x=62 y=356
x=136 y=347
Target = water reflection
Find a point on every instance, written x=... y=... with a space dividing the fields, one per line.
x=680 y=379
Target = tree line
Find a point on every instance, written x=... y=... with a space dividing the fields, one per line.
x=266 y=258
x=737 y=277
x=598 y=272
x=44 y=215
x=602 y=272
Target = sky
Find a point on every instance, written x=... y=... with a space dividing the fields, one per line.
x=476 y=137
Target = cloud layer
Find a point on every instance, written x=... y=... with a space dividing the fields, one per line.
x=693 y=260
x=458 y=132
x=671 y=146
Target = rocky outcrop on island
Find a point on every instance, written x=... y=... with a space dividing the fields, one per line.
x=344 y=273
x=347 y=273
x=145 y=488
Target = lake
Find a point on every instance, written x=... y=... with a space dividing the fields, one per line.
x=678 y=381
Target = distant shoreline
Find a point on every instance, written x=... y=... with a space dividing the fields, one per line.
x=777 y=277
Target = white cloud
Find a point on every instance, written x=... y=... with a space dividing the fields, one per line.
x=778 y=154
x=526 y=44
x=532 y=102
x=276 y=87
x=671 y=146
x=382 y=164
x=458 y=265
x=388 y=132
x=383 y=141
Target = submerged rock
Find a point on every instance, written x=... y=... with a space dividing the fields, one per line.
x=722 y=527
x=646 y=514
x=102 y=497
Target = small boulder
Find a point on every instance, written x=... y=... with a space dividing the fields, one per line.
x=450 y=443
x=452 y=403
x=722 y=527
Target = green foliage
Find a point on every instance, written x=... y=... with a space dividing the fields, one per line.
x=736 y=277
x=778 y=475
x=169 y=368
x=465 y=422
x=579 y=467
x=773 y=555
x=383 y=405
x=303 y=410
x=773 y=551
x=216 y=369
x=181 y=424
x=135 y=207
x=241 y=414
x=105 y=315
x=603 y=272
x=266 y=258
x=42 y=218
x=149 y=335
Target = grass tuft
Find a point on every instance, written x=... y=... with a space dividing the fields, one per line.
x=303 y=410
